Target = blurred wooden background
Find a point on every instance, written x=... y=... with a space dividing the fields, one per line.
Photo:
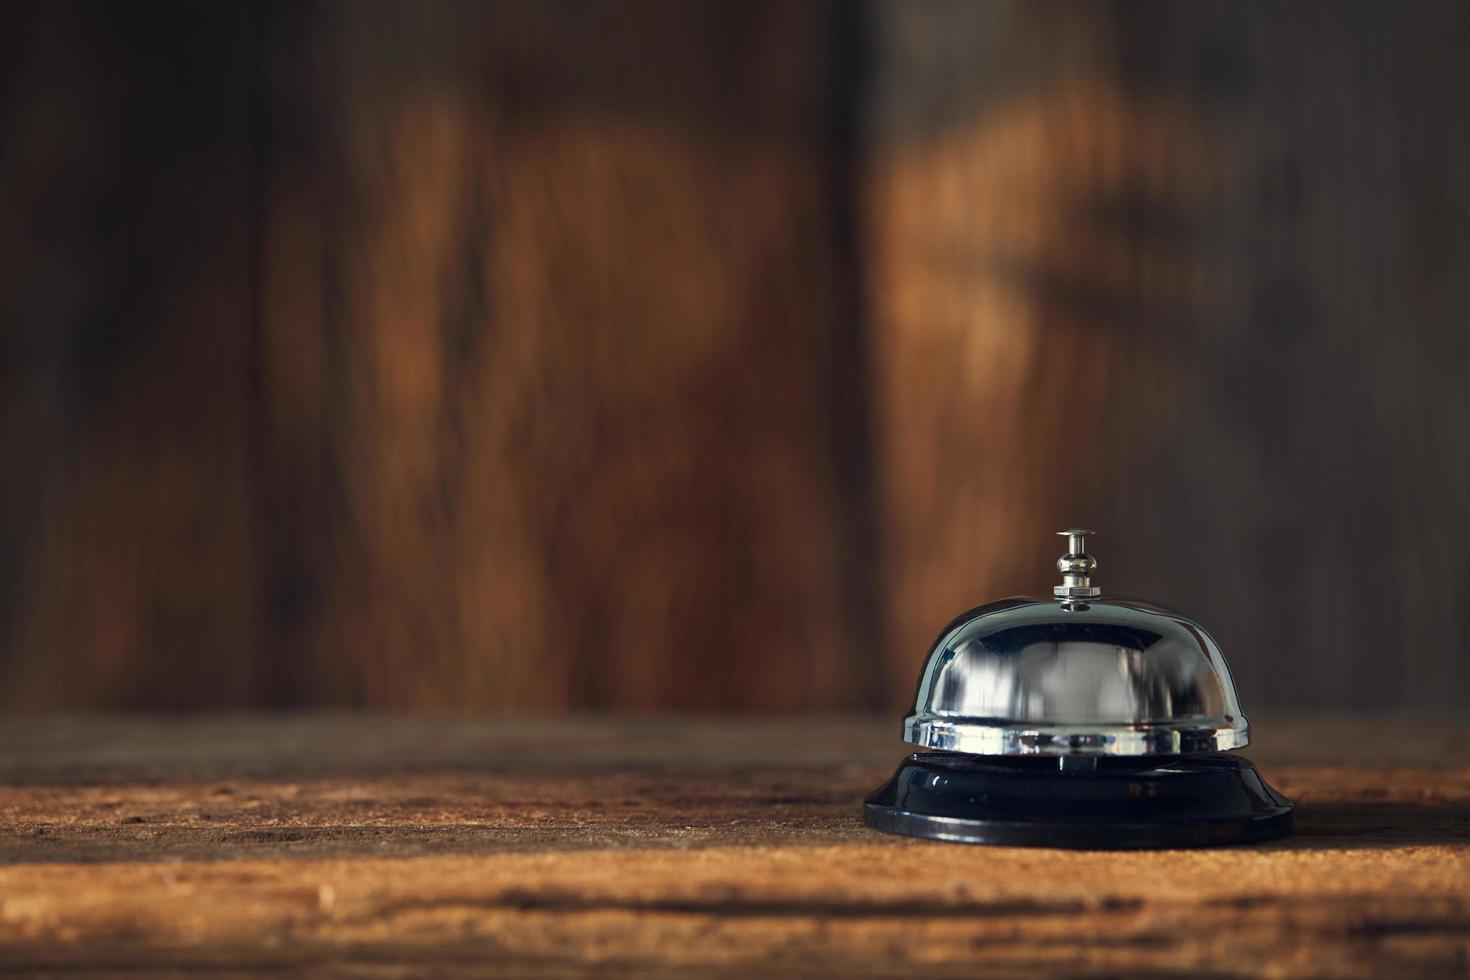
x=535 y=356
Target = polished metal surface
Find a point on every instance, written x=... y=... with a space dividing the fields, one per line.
x=1076 y=567
x=1066 y=677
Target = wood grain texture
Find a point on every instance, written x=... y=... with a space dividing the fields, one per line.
x=343 y=846
x=1190 y=274
x=562 y=387
x=499 y=365
x=713 y=356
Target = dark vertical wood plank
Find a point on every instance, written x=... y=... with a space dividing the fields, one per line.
x=126 y=299
x=1325 y=351
x=1188 y=273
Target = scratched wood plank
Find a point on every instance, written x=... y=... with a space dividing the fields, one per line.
x=658 y=847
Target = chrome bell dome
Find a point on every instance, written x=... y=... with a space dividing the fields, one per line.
x=1077 y=722
x=1076 y=675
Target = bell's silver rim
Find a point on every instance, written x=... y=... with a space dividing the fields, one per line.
x=981 y=736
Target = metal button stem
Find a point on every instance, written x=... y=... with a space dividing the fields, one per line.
x=1076 y=567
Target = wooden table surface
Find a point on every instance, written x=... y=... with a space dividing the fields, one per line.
x=385 y=847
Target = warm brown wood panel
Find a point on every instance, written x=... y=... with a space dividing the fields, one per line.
x=1190 y=274
x=549 y=336
x=313 y=846
x=713 y=355
x=469 y=356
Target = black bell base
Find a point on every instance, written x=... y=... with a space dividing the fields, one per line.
x=1109 y=804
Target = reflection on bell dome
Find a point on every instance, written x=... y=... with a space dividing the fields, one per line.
x=1105 y=677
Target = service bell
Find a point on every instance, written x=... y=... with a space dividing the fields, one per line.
x=1077 y=721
